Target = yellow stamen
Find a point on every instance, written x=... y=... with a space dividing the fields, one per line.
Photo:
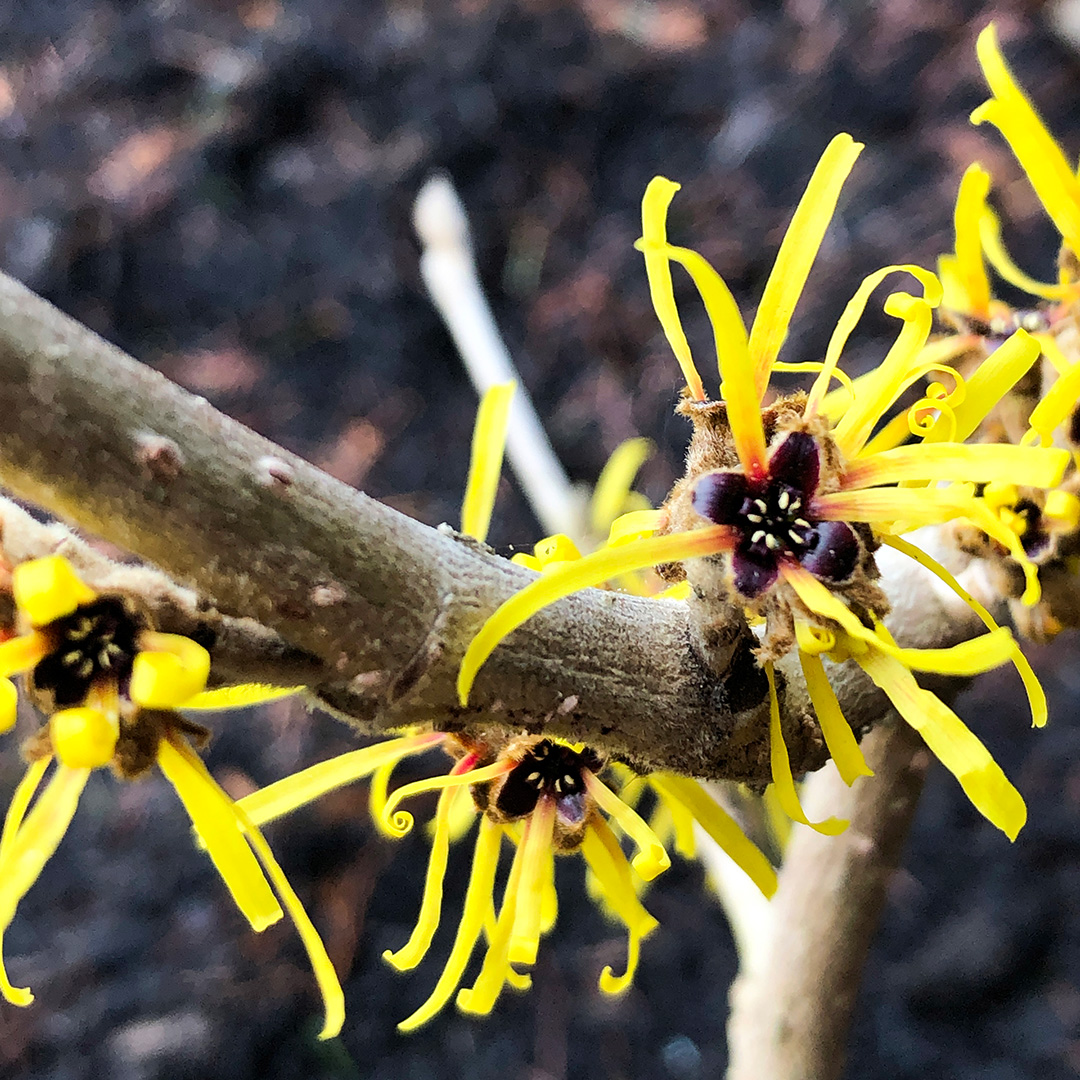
x=651 y=858
x=309 y=784
x=799 y=248
x=477 y=902
x=613 y=488
x=653 y=245
x=48 y=589
x=839 y=738
x=723 y=828
x=485 y=464
x=214 y=817
x=590 y=570
x=783 y=781
x=168 y=670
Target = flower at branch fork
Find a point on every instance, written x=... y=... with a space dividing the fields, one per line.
x=784 y=504
x=109 y=683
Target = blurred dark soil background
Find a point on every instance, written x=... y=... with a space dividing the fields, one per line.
x=223 y=188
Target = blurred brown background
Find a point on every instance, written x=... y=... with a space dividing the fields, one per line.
x=223 y=189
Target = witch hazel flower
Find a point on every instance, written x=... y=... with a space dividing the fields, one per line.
x=784 y=504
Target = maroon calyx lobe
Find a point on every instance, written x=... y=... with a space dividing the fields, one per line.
x=772 y=519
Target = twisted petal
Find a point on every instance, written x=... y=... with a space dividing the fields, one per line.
x=240 y=696
x=1000 y=259
x=19 y=654
x=653 y=245
x=399 y=822
x=580 y=574
x=485 y=464
x=1059 y=402
x=796 y=255
x=1046 y=166
x=651 y=858
x=783 y=781
x=48 y=589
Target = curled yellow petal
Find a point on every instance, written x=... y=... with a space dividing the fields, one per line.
x=477 y=902
x=1058 y=403
x=651 y=858
x=168 y=670
x=415 y=949
x=214 y=817
x=999 y=258
x=783 y=781
x=799 y=248
x=839 y=738
x=635 y=525
x=721 y=826
x=485 y=463
x=612 y=491
x=240 y=696
x=971 y=269
x=580 y=574
x=612 y=875
x=399 y=822
x=992 y=380
x=654 y=246
x=280 y=798
x=951 y=742
x=48 y=589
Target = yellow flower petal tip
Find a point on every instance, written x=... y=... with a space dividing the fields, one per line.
x=237 y=697
x=9 y=705
x=48 y=589
x=168 y=679
x=83 y=738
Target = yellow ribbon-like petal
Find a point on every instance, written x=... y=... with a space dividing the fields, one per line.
x=1047 y=168
x=529 y=903
x=9 y=704
x=1058 y=403
x=951 y=742
x=477 y=902
x=485 y=463
x=720 y=825
x=19 y=654
x=48 y=589
x=613 y=488
x=971 y=269
x=83 y=738
x=399 y=822
x=214 y=817
x=798 y=250
x=651 y=858
x=654 y=246
x=580 y=574
x=240 y=696
x=839 y=738
x=998 y=256
x=783 y=781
